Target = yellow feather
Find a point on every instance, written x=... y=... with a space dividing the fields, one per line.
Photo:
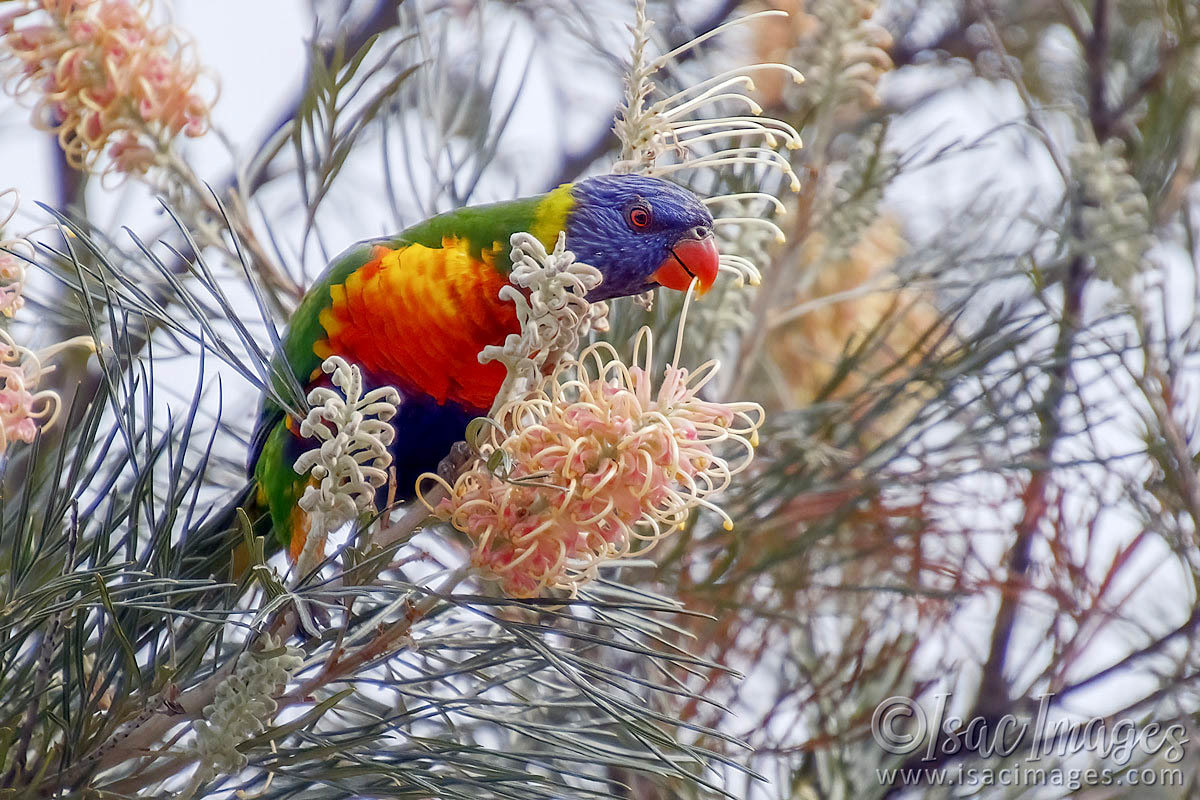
x=551 y=216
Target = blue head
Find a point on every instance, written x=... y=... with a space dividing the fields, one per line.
x=641 y=233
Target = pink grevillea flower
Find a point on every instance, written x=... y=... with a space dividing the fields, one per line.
x=594 y=464
x=12 y=268
x=106 y=78
x=12 y=283
x=23 y=409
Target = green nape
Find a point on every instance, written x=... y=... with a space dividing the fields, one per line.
x=486 y=226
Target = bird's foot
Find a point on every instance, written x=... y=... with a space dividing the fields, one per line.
x=459 y=456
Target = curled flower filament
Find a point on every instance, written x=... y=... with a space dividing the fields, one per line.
x=597 y=463
x=105 y=79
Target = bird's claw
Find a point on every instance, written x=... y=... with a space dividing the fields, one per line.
x=459 y=456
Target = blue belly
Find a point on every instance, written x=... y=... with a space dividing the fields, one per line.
x=425 y=432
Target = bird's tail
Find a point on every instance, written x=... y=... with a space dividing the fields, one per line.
x=217 y=548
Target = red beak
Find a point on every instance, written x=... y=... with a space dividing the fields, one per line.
x=690 y=258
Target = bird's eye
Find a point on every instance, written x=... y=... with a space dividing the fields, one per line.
x=639 y=217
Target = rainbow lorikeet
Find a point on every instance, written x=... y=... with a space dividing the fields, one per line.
x=413 y=311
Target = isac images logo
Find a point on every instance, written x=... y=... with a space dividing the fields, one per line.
x=1035 y=752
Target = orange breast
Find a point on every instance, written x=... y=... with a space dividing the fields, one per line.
x=418 y=316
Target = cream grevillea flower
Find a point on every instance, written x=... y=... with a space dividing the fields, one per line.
x=595 y=463
x=243 y=706
x=843 y=48
x=552 y=311
x=106 y=78
x=1114 y=214
x=709 y=124
x=353 y=458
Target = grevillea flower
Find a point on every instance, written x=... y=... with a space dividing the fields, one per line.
x=1114 y=214
x=549 y=291
x=106 y=78
x=595 y=463
x=24 y=410
x=352 y=460
x=853 y=294
x=12 y=268
x=12 y=283
x=244 y=705
x=710 y=124
x=845 y=53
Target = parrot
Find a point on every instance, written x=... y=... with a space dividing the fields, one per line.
x=413 y=311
